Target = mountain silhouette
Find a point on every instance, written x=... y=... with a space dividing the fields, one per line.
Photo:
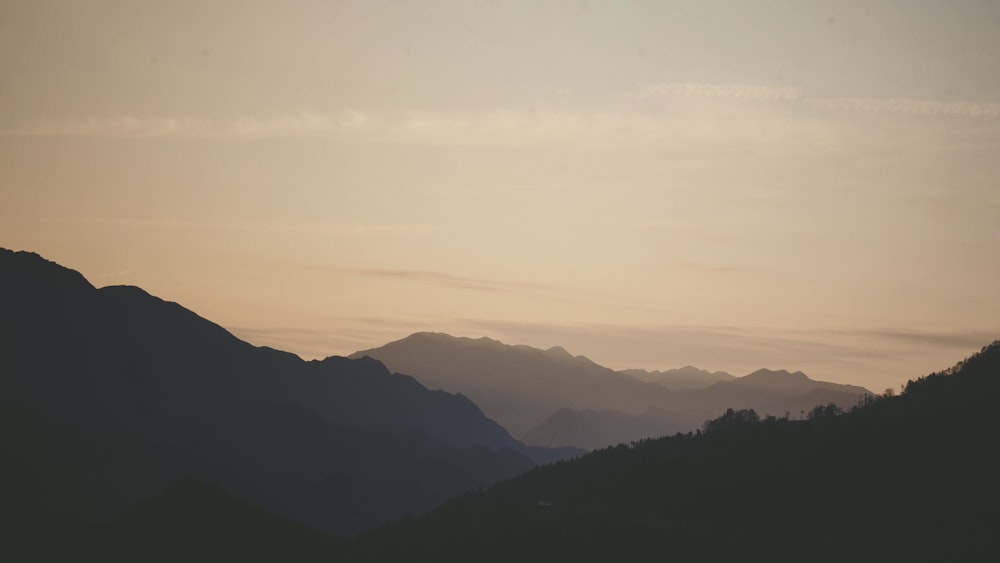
x=111 y=394
x=189 y=521
x=594 y=429
x=551 y=398
x=898 y=478
x=215 y=456
x=687 y=377
x=777 y=393
x=519 y=386
x=907 y=478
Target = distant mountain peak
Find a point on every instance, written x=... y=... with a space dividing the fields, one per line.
x=559 y=351
x=443 y=337
x=773 y=374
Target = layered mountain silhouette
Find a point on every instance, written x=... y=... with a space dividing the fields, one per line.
x=776 y=393
x=518 y=386
x=135 y=430
x=552 y=398
x=907 y=478
x=110 y=395
x=678 y=379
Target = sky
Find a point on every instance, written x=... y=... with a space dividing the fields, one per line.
x=797 y=184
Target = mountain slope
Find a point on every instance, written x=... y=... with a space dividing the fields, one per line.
x=775 y=393
x=190 y=521
x=136 y=378
x=907 y=478
x=904 y=478
x=551 y=398
x=687 y=377
x=519 y=386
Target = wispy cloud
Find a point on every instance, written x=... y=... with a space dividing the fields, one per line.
x=449 y=280
x=916 y=107
x=757 y=116
x=291 y=125
x=621 y=130
x=117 y=126
x=331 y=229
x=673 y=90
x=729 y=91
x=962 y=340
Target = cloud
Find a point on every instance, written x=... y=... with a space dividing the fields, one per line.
x=336 y=230
x=964 y=340
x=757 y=117
x=916 y=107
x=728 y=91
x=292 y=125
x=119 y=126
x=795 y=96
x=624 y=130
x=449 y=280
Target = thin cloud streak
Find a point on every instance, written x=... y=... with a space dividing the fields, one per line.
x=795 y=95
x=728 y=91
x=939 y=339
x=336 y=230
x=916 y=107
x=542 y=127
x=450 y=280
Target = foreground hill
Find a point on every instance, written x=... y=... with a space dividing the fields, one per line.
x=904 y=478
x=190 y=521
x=109 y=395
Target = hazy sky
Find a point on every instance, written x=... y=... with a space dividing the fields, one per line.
x=734 y=185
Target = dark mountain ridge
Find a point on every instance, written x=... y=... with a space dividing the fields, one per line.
x=899 y=478
x=911 y=477
x=138 y=378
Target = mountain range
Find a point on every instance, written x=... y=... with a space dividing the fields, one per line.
x=518 y=386
x=110 y=395
x=908 y=478
x=677 y=379
x=555 y=399
x=902 y=478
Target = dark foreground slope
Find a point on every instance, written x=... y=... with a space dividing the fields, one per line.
x=107 y=396
x=190 y=521
x=913 y=477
